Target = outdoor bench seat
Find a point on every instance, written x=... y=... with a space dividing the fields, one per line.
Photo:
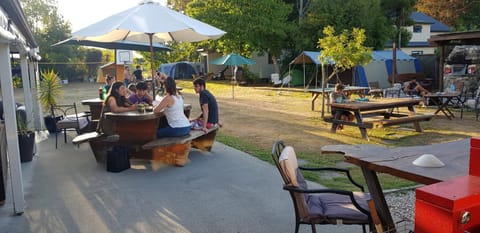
x=175 y=150
x=388 y=120
x=399 y=120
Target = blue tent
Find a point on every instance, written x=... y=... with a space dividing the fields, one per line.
x=377 y=70
x=179 y=70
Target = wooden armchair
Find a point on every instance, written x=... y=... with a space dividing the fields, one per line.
x=319 y=206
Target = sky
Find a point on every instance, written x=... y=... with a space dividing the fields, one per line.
x=85 y=12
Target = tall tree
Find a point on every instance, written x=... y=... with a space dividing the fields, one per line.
x=399 y=11
x=470 y=20
x=342 y=15
x=178 y=5
x=251 y=26
x=345 y=49
x=49 y=27
x=446 y=11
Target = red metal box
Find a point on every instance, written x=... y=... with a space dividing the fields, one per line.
x=439 y=207
x=475 y=142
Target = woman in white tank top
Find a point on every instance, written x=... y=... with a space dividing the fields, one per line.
x=172 y=106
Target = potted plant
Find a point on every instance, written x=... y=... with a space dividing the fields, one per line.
x=50 y=91
x=26 y=138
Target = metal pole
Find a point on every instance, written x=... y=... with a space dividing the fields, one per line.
x=323 y=91
x=150 y=37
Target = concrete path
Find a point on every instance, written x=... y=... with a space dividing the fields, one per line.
x=222 y=191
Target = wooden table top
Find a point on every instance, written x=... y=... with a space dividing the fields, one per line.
x=443 y=94
x=137 y=116
x=95 y=101
x=331 y=89
x=377 y=104
x=398 y=161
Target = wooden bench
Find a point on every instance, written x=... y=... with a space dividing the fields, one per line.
x=169 y=150
x=175 y=150
x=388 y=120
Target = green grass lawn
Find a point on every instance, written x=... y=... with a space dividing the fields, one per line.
x=437 y=130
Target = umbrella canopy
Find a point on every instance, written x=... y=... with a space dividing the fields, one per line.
x=124 y=45
x=149 y=22
x=233 y=59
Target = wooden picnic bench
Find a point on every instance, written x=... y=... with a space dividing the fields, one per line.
x=175 y=150
x=378 y=114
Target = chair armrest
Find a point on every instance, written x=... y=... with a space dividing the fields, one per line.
x=335 y=169
x=334 y=191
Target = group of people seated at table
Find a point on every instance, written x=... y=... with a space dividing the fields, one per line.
x=338 y=96
x=172 y=106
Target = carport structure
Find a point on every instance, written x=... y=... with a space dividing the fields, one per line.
x=451 y=39
x=16 y=38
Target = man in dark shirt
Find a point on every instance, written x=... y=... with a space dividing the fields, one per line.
x=138 y=74
x=208 y=104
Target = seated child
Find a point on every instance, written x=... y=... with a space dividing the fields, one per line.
x=339 y=97
x=140 y=95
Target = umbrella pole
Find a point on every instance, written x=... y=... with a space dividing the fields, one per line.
x=323 y=91
x=233 y=82
x=150 y=37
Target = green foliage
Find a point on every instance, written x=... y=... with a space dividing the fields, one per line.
x=345 y=49
x=50 y=89
x=17 y=82
x=22 y=126
x=399 y=11
x=366 y=14
x=251 y=26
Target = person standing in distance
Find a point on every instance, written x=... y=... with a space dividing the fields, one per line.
x=138 y=74
x=208 y=105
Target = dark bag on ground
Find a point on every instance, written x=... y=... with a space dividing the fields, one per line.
x=117 y=159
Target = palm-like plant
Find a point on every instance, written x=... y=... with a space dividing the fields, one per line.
x=50 y=89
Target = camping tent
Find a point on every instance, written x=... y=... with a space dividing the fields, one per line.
x=377 y=70
x=380 y=68
x=180 y=70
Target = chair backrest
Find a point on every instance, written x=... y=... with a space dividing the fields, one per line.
x=286 y=162
x=275 y=77
x=286 y=80
x=66 y=112
x=459 y=86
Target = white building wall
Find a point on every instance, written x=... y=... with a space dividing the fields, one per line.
x=420 y=36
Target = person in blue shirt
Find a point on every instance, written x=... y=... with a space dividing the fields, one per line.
x=140 y=95
x=208 y=104
x=138 y=74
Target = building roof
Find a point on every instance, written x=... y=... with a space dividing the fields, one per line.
x=436 y=26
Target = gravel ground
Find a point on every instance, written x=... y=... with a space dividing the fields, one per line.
x=402 y=208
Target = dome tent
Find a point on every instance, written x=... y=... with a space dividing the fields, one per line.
x=179 y=70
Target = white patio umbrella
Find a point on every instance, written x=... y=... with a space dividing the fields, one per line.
x=149 y=22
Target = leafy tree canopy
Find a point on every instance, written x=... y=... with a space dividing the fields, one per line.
x=251 y=26
x=342 y=15
x=346 y=49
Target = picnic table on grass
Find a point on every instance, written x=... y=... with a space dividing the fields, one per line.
x=378 y=114
x=398 y=162
x=326 y=93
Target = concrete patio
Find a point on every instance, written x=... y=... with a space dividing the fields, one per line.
x=222 y=191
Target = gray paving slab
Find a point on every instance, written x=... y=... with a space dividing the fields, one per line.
x=225 y=190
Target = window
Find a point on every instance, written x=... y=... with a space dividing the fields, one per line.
x=417 y=28
x=417 y=52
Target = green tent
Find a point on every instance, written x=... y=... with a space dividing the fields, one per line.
x=297 y=77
